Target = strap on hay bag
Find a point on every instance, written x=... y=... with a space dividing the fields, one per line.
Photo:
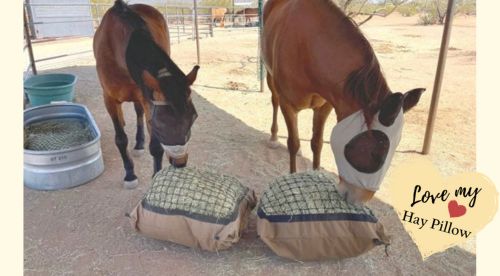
x=195 y=208
x=303 y=217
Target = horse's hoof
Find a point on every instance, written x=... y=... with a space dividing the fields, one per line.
x=273 y=144
x=132 y=184
x=137 y=152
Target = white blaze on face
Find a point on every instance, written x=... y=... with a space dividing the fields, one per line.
x=176 y=151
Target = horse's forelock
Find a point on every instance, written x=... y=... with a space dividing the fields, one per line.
x=175 y=90
x=367 y=87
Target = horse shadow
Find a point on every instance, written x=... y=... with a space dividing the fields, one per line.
x=221 y=142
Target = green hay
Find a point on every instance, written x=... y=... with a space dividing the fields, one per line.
x=307 y=193
x=191 y=191
x=57 y=134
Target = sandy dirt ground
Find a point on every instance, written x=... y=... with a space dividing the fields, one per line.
x=83 y=231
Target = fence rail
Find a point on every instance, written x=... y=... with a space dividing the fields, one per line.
x=187 y=22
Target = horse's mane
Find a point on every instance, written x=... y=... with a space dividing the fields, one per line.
x=366 y=85
x=143 y=53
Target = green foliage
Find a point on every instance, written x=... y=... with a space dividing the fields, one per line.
x=434 y=11
x=364 y=10
x=467 y=7
x=409 y=9
x=428 y=18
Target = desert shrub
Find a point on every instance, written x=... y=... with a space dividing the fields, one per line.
x=467 y=7
x=409 y=9
x=427 y=18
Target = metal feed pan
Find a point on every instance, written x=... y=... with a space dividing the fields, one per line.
x=66 y=168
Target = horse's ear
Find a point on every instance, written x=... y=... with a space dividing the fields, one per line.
x=390 y=109
x=191 y=77
x=411 y=98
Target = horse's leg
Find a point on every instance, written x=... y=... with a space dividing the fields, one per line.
x=293 y=142
x=320 y=115
x=155 y=148
x=156 y=151
x=273 y=141
x=121 y=141
x=139 y=136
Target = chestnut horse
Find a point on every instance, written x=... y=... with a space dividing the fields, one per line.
x=323 y=61
x=132 y=52
x=218 y=15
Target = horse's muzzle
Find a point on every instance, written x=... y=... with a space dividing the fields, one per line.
x=177 y=155
x=178 y=162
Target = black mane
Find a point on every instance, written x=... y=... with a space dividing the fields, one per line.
x=143 y=53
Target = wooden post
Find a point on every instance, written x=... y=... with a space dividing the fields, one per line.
x=28 y=42
x=233 y=13
x=196 y=30
x=438 y=81
x=259 y=52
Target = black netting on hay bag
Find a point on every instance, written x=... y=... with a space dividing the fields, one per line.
x=309 y=196
x=57 y=134
x=194 y=193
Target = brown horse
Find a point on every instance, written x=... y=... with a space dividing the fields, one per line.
x=249 y=13
x=132 y=48
x=323 y=61
x=218 y=15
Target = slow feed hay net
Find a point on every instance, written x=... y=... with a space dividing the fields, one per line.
x=199 y=194
x=194 y=207
x=302 y=216
x=57 y=134
x=311 y=193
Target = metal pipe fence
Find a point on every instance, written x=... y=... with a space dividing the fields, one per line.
x=185 y=23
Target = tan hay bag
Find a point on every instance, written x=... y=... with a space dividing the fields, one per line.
x=302 y=217
x=171 y=210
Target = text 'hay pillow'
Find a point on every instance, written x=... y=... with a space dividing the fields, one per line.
x=303 y=217
x=193 y=207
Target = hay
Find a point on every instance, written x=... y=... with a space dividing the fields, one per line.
x=199 y=194
x=57 y=134
x=309 y=193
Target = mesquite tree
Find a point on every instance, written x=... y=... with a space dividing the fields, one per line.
x=364 y=10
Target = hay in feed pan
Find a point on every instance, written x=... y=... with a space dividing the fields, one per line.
x=57 y=134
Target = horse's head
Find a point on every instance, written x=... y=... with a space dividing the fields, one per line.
x=363 y=154
x=168 y=90
x=173 y=111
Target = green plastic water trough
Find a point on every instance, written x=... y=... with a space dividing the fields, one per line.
x=46 y=88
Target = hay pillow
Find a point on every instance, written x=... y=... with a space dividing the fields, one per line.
x=303 y=217
x=193 y=207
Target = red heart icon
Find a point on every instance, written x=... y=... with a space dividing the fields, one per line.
x=456 y=210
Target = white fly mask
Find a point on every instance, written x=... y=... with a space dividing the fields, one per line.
x=363 y=156
x=350 y=133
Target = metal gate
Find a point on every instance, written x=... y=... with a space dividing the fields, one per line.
x=70 y=18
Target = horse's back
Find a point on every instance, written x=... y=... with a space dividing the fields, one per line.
x=156 y=24
x=110 y=44
x=312 y=55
